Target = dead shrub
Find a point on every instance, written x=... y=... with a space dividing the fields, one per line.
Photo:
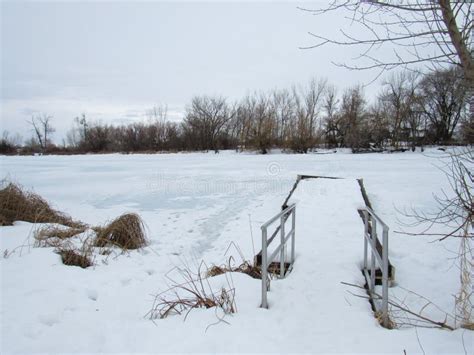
x=53 y=236
x=193 y=292
x=179 y=305
x=126 y=232
x=19 y=205
x=16 y=204
x=4 y=221
x=75 y=253
x=75 y=257
x=246 y=268
x=216 y=270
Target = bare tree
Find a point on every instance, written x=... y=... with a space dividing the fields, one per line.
x=263 y=123
x=158 y=113
x=75 y=137
x=243 y=121
x=158 y=126
x=445 y=99
x=354 y=119
x=313 y=96
x=456 y=208
x=9 y=144
x=305 y=122
x=284 y=108
x=43 y=129
x=455 y=217
x=98 y=137
x=379 y=125
x=14 y=140
x=431 y=32
x=436 y=33
x=467 y=126
x=206 y=119
x=332 y=130
x=400 y=101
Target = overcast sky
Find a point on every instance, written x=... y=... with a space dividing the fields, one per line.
x=114 y=60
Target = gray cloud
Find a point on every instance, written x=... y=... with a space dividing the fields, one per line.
x=113 y=60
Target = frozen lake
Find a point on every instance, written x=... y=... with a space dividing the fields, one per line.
x=194 y=206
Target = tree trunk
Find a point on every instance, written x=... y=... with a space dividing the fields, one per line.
x=459 y=44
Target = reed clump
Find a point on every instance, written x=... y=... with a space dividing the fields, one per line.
x=16 y=204
x=126 y=232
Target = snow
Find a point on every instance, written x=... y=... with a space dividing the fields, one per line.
x=195 y=205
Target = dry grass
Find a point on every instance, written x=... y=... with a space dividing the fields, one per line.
x=75 y=257
x=179 y=305
x=126 y=232
x=245 y=268
x=75 y=252
x=191 y=292
x=19 y=205
x=54 y=236
x=16 y=204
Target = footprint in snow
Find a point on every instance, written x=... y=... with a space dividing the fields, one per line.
x=150 y=272
x=32 y=333
x=93 y=295
x=48 y=320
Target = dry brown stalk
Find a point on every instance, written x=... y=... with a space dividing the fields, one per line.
x=75 y=257
x=19 y=205
x=126 y=232
x=54 y=235
x=400 y=307
x=246 y=268
x=198 y=294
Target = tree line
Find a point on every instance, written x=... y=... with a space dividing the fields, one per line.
x=410 y=110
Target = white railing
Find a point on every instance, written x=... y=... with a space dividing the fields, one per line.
x=378 y=255
x=282 y=217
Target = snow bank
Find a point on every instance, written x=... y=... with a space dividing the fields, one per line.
x=194 y=206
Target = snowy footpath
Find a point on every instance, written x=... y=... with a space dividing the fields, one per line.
x=311 y=303
x=48 y=307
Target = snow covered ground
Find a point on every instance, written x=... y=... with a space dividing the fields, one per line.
x=195 y=205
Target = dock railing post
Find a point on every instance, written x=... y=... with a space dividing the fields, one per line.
x=385 y=277
x=293 y=223
x=366 y=233
x=267 y=260
x=373 y=238
x=282 y=241
x=379 y=256
x=264 y=268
